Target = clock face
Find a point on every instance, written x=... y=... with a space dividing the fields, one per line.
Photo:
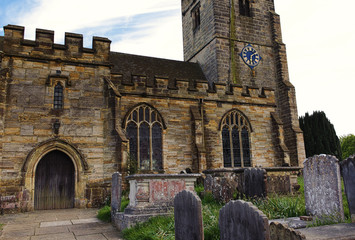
x=250 y=56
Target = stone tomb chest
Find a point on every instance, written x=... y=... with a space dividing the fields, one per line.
x=151 y=195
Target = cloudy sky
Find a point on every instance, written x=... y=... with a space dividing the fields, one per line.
x=319 y=35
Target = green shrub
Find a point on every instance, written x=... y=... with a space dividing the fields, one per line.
x=104 y=214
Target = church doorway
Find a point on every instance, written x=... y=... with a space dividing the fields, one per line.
x=54 y=182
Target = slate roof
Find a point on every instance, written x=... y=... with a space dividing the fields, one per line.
x=128 y=65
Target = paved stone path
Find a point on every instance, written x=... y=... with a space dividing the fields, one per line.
x=68 y=224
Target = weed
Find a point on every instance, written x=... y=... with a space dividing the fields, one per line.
x=104 y=214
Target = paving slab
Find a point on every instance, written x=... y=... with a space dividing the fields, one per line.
x=98 y=236
x=87 y=220
x=55 y=223
x=56 y=236
x=51 y=230
x=66 y=224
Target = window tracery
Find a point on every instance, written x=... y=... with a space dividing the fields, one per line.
x=235 y=140
x=144 y=128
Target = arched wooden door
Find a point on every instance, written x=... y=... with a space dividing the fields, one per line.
x=54 y=182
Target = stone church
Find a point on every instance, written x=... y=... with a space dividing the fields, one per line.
x=71 y=116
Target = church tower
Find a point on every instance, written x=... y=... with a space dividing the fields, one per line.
x=239 y=43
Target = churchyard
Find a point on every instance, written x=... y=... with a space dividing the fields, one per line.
x=257 y=214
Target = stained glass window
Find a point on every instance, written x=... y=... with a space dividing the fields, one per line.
x=235 y=140
x=144 y=130
x=58 y=96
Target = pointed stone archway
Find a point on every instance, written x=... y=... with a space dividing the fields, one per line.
x=37 y=160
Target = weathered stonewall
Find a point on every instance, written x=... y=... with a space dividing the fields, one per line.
x=188 y=216
x=254 y=182
x=280 y=231
x=242 y=220
x=116 y=191
x=348 y=173
x=322 y=187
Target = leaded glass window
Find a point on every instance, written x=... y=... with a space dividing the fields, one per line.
x=235 y=140
x=144 y=128
x=58 y=96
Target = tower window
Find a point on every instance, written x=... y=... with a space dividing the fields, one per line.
x=58 y=96
x=144 y=128
x=195 y=14
x=244 y=8
x=235 y=140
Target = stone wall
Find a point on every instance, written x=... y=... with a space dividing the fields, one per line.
x=34 y=68
x=175 y=106
x=216 y=46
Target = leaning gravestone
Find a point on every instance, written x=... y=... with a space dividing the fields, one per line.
x=322 y=187
x=348 y=173
x=188 y=216
x=116 y=192
x=242 y=220
x=254 y=183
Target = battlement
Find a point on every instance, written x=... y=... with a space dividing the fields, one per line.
x=192 y=89
x=44 y=46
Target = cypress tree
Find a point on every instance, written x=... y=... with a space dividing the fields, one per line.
x=319 y=135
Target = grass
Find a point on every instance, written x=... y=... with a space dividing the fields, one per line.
x=159 y=228
x=281 y=206
x=274 y=206
x=104 y=213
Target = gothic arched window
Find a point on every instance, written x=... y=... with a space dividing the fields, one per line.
x=244 y=8
x=58 y=96
x=236 y=140
x=144 y=128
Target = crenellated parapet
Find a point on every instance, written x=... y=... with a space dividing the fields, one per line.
x=43 y=47
x=192 y=89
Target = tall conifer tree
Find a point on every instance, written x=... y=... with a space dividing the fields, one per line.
x=319 y=135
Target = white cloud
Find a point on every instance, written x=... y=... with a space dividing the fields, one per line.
x=69 y=15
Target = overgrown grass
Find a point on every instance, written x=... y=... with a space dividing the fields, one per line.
x=157 y=228
x=281 y=206
x=274 y=206
x=104 y=214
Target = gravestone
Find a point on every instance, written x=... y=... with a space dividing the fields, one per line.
x=322 y=187
x=242 y=220
x=188 y=216
x=280 y=231
x=348 y=173
x=116 y=192
x=254 y=183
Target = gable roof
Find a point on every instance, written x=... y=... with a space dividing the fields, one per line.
x=129 y=65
